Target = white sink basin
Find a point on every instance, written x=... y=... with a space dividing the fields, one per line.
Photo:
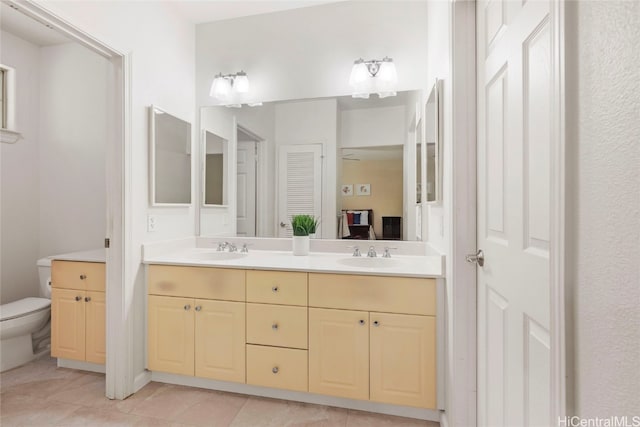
x=212 y=255
x=366 y=262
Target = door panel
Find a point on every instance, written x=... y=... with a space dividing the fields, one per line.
x=96 y=338
x=68 y=324
x=339 y=353
x=246 y=189
x=516 y=47
x=171 y=335
x=403 y=359
x=220 y=340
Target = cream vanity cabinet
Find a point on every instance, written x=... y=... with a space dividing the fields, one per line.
x=196 y=322
x=277 y=329
x=78 y=314
x=373 y=337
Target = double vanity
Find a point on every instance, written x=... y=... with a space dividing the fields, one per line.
x=320 y=327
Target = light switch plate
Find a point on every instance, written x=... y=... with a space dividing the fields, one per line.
x=151 y=223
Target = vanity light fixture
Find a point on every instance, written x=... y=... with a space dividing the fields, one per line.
x=231 y=89
x=373 y=76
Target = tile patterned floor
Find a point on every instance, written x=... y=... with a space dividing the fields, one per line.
x=39 y=394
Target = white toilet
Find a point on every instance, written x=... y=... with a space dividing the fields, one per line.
x=24 y=324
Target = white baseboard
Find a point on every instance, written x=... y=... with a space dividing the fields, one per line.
x=141 y=380
x=444 y=421
x=83 y=366
x=381 y=408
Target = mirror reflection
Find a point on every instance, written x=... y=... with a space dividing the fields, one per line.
x=432 y=144
x=215 y=149
x=351 y=163
x=170 y=149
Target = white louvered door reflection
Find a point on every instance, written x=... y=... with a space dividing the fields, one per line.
x=299 y=184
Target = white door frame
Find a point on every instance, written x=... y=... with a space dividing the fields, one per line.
x=261 y=181
x=461 y=408
x=119 y=326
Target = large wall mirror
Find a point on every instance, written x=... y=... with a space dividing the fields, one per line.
x=350 y=162
x=433 y=145
x=170 y=159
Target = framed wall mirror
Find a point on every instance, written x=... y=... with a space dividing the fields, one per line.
x=350 y=162
x=433 y=145
x=169 y=159
x=214 y=169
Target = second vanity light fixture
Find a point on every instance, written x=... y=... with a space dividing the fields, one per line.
x=373 y=76
x=231 y=89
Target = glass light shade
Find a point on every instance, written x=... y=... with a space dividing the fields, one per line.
x=359 y=74
x=387 y=73
x=386 y=94
x=241 y=83
x=220 y=89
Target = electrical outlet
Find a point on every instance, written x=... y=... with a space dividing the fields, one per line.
x=151 y=223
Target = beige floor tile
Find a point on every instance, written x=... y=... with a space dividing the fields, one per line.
x=25 y=410
x=131 y=402
x=217 y=410
x=279 y=413
x=84 y=416
x=170 y=401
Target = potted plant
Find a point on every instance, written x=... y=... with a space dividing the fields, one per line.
x=302 y=226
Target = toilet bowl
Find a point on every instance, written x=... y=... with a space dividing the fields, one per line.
x=20 y=320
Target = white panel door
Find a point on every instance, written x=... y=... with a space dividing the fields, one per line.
x=515 y=48
x=299 y=184
x=246 y=189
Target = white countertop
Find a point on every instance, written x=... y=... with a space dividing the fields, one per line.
x=318 y=262
x=95 y=255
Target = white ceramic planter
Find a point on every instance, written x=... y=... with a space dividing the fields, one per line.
x=301 y=245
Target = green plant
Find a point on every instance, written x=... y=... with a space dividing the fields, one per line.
x=303 y=225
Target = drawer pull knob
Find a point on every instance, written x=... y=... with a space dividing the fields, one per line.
x=274 y=326
x=187 y=307
x=275 y=370
x=376 y=323
x=83 y=276
x=87 y=299
x=198 y=307
x=361 y=321
x=275 y=289
x=78 y=298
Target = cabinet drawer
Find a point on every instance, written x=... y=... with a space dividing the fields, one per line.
x=277 y=287
x=373 y=293
x=196 y=282
x=277 y=325
x=284 y=368
x=88 y=276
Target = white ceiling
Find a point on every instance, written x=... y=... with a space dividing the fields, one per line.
x=27 y=28
x=216 y=10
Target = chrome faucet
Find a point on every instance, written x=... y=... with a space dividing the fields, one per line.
x=222 y=246
x=245 y=249
x=356 y=251
x=233 y=247
x=372 y=252
x=386 y=253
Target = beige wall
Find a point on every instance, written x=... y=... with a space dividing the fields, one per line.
x=385 y=177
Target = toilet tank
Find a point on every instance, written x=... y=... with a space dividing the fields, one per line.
x=44 y=272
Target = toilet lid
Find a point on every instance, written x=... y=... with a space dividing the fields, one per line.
x=22 y=307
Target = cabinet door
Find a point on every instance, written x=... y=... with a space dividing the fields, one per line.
x=68 y=324
x=339 y=353
x=220 y=340
x=170 y=335
x=403 y=359
x=95 y=327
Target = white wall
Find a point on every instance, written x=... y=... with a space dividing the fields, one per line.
x=370 y=127
x=72 y=140
x=313 y=122
x=308 y=52
x=603 y=207
x=162 y=48
x=19 y=184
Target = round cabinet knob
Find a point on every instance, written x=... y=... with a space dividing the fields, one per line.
x=275 y=289
x=87 y=299
x=361 y=321
x=376 y=323
x=198 y=307
x=187 y=307
x=78 y=298
x=274 y=326
x=83 y=276
x=275 y=370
